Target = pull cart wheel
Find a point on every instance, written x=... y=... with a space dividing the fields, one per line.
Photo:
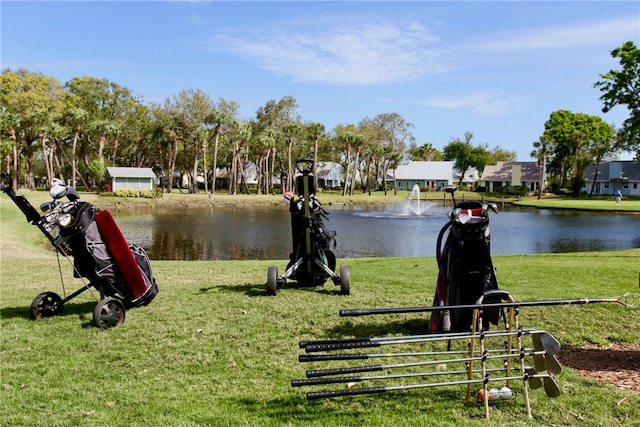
x=109 y=313
x=46 y=304
x=272 y=280
x=345 y=279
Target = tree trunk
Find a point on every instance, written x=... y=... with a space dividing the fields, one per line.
x=215 y=158
x=74 y=163
x=346 y=173
x=291 y=173
x=355 y=168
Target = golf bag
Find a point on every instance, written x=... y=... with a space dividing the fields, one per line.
x=466 y=271
x=114 y=266
x=120 y=271
x=311 y=261
x=320 y=237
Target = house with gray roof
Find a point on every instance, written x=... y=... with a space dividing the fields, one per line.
x=330 y=174
x=514 y=174
x=131 y=178
x=612 y=176
x=433 y=175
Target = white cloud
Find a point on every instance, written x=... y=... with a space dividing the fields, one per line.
x=484 y=103
x=609 y=33
x=361 y=54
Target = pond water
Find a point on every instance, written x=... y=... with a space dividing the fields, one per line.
x=264 y=233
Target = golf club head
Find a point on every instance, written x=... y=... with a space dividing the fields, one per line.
x=539 y=363
x=51 y=217
x=484 y=209
x=552 y=365
x=66 y=207
x=534 y=381
x=549 y=343
x=550 y=387
x=58 y=191
x=545 y=341
x=47 y=206
x=493 y=207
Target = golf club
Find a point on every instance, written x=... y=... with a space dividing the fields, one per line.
x=361 y=356
x=337 y=380
x=312 y=373
x=377 y=342
x=550 y=387
x=629 y=300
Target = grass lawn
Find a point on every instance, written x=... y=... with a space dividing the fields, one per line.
x=214 y=350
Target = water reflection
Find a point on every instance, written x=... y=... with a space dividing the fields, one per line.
x=384 y=231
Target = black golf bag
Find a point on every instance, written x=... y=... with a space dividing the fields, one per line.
x=466 y=271
x=311 y=261
x=120 y=271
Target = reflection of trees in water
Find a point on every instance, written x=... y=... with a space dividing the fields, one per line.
x=170 y=246
x=580 y=245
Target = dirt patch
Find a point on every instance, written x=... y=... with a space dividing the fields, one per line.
x=615 y=364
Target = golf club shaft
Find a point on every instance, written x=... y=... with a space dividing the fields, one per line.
x=312 y=373
x=363 y=356
x=336 y=380
x=628 y=300
x=551 y=387
x=362 y=343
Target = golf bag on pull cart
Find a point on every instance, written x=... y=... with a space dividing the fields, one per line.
x=466 y=271
x=120 y=271
x=312 y=262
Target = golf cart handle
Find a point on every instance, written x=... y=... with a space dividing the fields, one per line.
x=347 y=392
x=304 y=166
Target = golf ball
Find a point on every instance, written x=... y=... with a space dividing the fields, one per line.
x=494 y=394
x=505 y=393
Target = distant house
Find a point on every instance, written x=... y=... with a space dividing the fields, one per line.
x=470 y=177
x=612 y=176
x=131 y=178
x=511 y=174
x=434 y=175
x=330 y=174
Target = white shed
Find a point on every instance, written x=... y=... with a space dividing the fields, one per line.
x=131 y=178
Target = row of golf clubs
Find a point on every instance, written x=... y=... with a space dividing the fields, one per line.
x=545 y=346
x=544 y=351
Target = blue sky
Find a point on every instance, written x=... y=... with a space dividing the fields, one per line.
x=496 y=69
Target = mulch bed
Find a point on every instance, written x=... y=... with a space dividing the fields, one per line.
x=616 y=364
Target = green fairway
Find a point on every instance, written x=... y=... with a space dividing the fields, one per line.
x=214 y=350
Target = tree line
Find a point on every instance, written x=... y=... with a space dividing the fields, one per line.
x=75 y=130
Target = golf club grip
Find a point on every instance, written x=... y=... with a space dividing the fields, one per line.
x=339 y=371
x=325 y=357
x=348 y=392
x=318 y=381
x=340 y=346
x=303 y=344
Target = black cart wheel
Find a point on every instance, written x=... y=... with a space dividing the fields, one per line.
x=345 y=279
x=46 y=304
x=272 y=280
x=109 y=313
